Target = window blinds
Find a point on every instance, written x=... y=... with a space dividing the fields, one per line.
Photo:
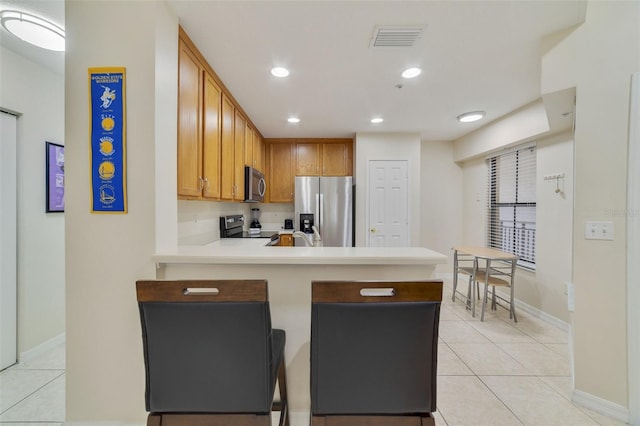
x=512 y=203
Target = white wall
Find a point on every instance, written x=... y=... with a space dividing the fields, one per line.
x=543 y=289
x=525 y=123
x=441 y=199
x=387 y=146
x=37 y=93
x=474 y=204
x=605 y=54
x=107 y=253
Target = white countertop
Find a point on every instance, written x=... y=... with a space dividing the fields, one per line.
x=252 y=251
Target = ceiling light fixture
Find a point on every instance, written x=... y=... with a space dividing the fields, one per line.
x=469 y=117
x=377 y=120
x=411 y=72
x=33 y=29
x=293 y=120
x=279 y=72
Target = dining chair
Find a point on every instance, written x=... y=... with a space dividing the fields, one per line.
x=374 y=351
x=211 y=357
x=498 y=273
x=466 y=265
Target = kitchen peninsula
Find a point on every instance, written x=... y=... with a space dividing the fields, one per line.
x=289 y=271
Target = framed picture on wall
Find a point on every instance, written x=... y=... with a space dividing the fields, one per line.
x=55 y=178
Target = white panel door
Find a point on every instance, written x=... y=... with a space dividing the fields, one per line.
x=8 y=279
x=388 y=204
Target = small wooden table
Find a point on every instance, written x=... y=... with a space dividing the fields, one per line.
x=487 y=274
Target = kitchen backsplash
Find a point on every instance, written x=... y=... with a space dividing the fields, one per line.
x=199 y=221
x=272 y=216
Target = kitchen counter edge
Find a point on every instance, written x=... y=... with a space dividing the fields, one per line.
x=301 y=256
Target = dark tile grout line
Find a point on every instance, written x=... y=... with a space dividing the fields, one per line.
x=63 y=372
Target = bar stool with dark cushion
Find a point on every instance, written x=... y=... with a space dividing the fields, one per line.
x=211 y=356
x=374 y=352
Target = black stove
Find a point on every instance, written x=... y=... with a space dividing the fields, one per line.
x=232 y=227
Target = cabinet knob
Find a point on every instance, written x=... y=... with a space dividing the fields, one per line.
x=372 y=230
x=200 y=183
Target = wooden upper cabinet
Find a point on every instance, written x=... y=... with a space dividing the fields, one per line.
x=258 y=152
x=215 y=138
x=211 y=138
x=190 y=74
x=240 y=129
x=281 y=172
x=254 y=149
x=308 y=159
x=337 y=159
x=249 y=134
x=227 y=149
x=323 y=157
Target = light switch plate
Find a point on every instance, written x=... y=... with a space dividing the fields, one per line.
x=598 y=230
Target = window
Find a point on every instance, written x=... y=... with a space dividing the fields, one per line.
x=512 y=203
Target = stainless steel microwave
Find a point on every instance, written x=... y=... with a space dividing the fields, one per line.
x=254 y=185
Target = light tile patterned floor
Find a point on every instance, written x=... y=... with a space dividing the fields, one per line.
x=498 y=372
x=495 y=372
x=32 y=393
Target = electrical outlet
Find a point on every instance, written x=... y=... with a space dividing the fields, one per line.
x=598 y=230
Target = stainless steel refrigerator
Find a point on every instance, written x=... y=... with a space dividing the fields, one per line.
x=327 y=203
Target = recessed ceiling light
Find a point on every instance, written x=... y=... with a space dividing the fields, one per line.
x=293 y=120
x=279 y=72
x=469 y=117
x=33 y=29
x=377 y=120
x=411 y=72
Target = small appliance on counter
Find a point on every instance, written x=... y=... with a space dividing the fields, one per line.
x=255 y=227
x=232 y=227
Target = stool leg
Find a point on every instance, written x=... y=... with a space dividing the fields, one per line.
x=493 y=299
x=473 y=295
x=512 y=306
x=455 y=275
x=484 y=301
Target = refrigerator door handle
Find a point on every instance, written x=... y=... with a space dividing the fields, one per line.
x=319 y=206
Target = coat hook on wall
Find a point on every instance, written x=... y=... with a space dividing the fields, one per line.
x=557 y=178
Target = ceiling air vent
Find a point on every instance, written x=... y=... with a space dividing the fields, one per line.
x=396 y=36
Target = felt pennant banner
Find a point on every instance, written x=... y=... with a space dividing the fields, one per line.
x=107 y=126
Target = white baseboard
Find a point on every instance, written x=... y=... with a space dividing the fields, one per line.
x=550 y=319
x=602 y=406
x=42 y=348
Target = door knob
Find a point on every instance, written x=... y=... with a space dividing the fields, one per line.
x=372 y=230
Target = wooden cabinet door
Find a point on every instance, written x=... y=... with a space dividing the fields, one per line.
x=336 y=160
x=227 y=149
x=258 y=152
x=190 y=74
x=281 y=172
x=249 y=134
x=238 y=170
x=286 y=240
x=211 y=138
x=308 y=159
